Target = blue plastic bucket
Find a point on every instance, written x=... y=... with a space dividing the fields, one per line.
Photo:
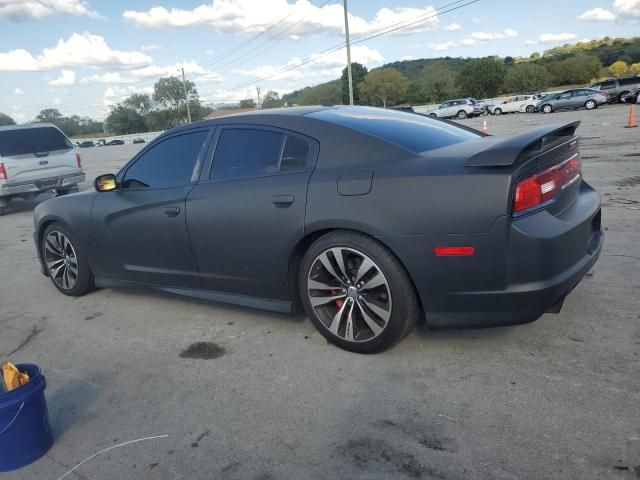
x=25 y=434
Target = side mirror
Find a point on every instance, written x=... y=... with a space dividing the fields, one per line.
x=106 y=183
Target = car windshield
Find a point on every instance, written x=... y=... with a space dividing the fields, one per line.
x=23 y=141
x=411 y=131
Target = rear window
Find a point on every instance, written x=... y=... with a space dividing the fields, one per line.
x=22 y=141
x=408 y=130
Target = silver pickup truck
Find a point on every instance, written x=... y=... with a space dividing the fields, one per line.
x=36 y=158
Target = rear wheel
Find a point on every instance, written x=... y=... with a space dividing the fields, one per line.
x=622 y=94
x=462 y=115
x=433 y=115
x=547 y=108
x=66 y=264
x=590 y=104
x=356 y=293
x=530 y=109
x=497 y=111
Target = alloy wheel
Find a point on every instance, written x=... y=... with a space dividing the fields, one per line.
x=349 y=294
x=61 y=260
x=590 y=105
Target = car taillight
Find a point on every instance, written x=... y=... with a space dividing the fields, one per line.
x=542 y=187
x=79 y=160
x=3 y=172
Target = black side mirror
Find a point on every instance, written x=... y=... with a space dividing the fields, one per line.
x=105 y=183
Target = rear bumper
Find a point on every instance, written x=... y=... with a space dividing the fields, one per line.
x=41 y=185
x=521 y=269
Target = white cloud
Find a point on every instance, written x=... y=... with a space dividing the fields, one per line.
x=18 y=91
x=109 y=77
x=250 y=16
x=453 y=27
x=415 y=45
x=627 y=8
x=440 y=47
x=556 y=37
x=209 y=52
x=150 y=48
x=469 y=42
x=408 y=58
x=24 y=10
x=597 y=15
x=531 y=42
x=192 y=70
x=66 y=78
x=57 y=101
x=487 y=36
x=79 y=50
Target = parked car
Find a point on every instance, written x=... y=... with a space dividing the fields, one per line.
x=632 y=96
x=459 y=108
x=479 y=107
x=86 y=144
x=138 y=140
x=101 y=143
x=116 y=142
x=616 y=88
x=285 y=212
x=517 y=103
x=36 y=158
x=571 y=100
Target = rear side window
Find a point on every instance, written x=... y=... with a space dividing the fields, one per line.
x=246 y=153
x=170 y=163
x=608 y=84
x=295 y=155
x=629 y=81
x=24 y=141
x=411 y=131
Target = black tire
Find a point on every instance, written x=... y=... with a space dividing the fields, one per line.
x=530 y=109
x=622 y=94
x=84 y=282
x=590 y=104
x=546 y=108
x=2 y=211
x=433 y=115
x=461 y=115
x=497 y=111
x=403 y=302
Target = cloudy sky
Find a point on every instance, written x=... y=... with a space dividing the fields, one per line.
x=81 y=56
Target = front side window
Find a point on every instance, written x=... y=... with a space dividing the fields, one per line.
x=170 y=163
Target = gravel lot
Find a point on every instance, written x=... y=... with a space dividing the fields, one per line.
x=555 y=399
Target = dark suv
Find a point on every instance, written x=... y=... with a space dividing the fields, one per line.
x=616 y=88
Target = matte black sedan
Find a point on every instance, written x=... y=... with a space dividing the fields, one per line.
x=370 y=219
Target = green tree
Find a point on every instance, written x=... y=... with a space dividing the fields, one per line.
x=384 y=86
x=123 y=120
x=581 y=68
x=619 y=68
x=140 y=102
x=48 y=115
x=168 y=92
x=6 y=120
x=247 y=103
x=358 y=73
x=635 y=68
x=272 y=100
x=325 y=94
x=482 y=77
x=436 y=83
x=527 y=77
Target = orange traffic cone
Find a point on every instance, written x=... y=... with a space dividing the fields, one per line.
x=632 y=117
x=485 y=129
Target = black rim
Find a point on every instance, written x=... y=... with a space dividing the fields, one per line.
x=61 y=260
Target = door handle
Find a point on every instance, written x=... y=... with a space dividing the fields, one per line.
x=172 y=212
x=282 y=200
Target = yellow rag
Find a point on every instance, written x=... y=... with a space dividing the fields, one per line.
x=13 y=378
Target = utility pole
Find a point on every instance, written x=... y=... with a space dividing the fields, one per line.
x=186 y=97
x=258 y=91
x=346 y=33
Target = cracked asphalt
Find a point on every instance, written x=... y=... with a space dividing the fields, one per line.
x=245 y=394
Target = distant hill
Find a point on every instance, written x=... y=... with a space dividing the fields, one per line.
x=606 y=50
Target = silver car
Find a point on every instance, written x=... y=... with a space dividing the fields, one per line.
x=571 y=100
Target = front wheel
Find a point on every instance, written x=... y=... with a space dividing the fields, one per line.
x=547 y=109
x=590 y=104
x=497 y=111
x=66 y=264
x=356 y=293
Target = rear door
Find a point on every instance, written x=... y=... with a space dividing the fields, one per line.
x=247 y=213
x=139 y=230
x=563 y=101
x=37 y=153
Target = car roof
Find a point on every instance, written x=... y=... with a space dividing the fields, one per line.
x=26 y=126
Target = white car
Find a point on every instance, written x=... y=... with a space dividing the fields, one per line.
x=460 y=108
x=517 y=103
x=36 y=158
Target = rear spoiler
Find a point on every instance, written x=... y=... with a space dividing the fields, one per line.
x=505 y=152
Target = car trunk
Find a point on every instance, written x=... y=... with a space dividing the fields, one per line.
x=36 y=154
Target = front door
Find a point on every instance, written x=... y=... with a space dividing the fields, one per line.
x=247 y=213
x=140 y=228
